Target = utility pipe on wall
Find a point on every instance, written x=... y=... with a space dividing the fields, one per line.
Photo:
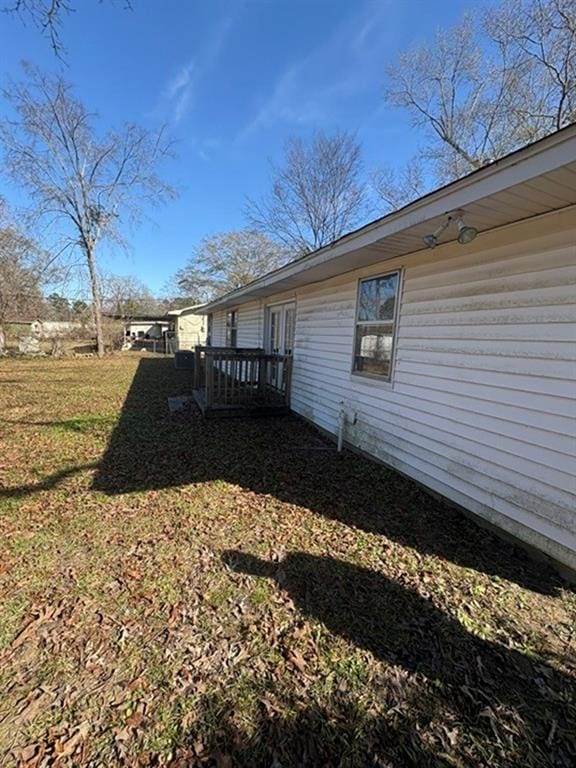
x=341 y=425
x=342 y=421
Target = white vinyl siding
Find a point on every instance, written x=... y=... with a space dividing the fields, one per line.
x=482 y=407
x=249 y=321
x=250 y=325
x=219 y=329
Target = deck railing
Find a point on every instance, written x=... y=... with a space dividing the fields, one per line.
x=240 y=378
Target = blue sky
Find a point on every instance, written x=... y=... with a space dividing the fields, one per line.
x=232 y=79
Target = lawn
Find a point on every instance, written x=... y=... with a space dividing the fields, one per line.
x=179 y=592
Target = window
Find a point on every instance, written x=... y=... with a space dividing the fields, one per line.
x=289 y=328
x=231 y=328
x=375 y=321
x=209 y=325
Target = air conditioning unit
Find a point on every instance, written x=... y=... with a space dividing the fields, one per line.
x=184 y=360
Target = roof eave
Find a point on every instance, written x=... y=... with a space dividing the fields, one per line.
x=193 y=308
x=525 y=163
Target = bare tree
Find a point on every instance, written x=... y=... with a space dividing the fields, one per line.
x=543 y=35
x=176 y=296
x=22 y=267
x=47 y=15
x=316 y=195
x=398 y=187
x=497 y=80
x=125 y=296
x=85 y=183
x=228 y=260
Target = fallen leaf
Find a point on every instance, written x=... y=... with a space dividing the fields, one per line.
x=135 y=720
x=297 y=660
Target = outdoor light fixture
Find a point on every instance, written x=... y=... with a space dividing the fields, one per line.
x=432 y=240
x=465 y=233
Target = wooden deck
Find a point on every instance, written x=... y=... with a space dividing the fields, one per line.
x=241 y=382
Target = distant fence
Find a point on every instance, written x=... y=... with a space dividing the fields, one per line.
x=163 y=346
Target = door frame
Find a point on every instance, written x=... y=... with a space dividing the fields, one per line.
x=282 y=306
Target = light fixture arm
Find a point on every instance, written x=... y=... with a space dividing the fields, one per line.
x=465 y=233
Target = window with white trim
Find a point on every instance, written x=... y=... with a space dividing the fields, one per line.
x=375 y=325
x=209 y=329
x=231 y=328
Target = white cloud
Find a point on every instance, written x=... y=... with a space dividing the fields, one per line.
x=180 y=80
x=349 y=62
x=178 y=94
x=206 y=147
x=180 y=89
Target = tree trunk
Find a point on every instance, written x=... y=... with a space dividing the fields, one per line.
x=2 y=340
x=56 y=350
x=96 y=300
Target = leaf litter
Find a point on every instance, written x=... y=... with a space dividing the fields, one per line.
x=179 y=592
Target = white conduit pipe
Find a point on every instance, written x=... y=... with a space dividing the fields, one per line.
x=341 y=425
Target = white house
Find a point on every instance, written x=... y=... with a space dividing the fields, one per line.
x=454 y=364
x=146 y=327
x=187 y=327
x=46 y=328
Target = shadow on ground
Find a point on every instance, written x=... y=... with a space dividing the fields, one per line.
x=474 y=702
x=47 y=484
x=312 y=737
x=470 y=703
x=284 y=457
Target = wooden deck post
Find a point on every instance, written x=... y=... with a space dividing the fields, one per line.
x=287 y=380
x=209 y=363
x=196 y=376
x=261 y=377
